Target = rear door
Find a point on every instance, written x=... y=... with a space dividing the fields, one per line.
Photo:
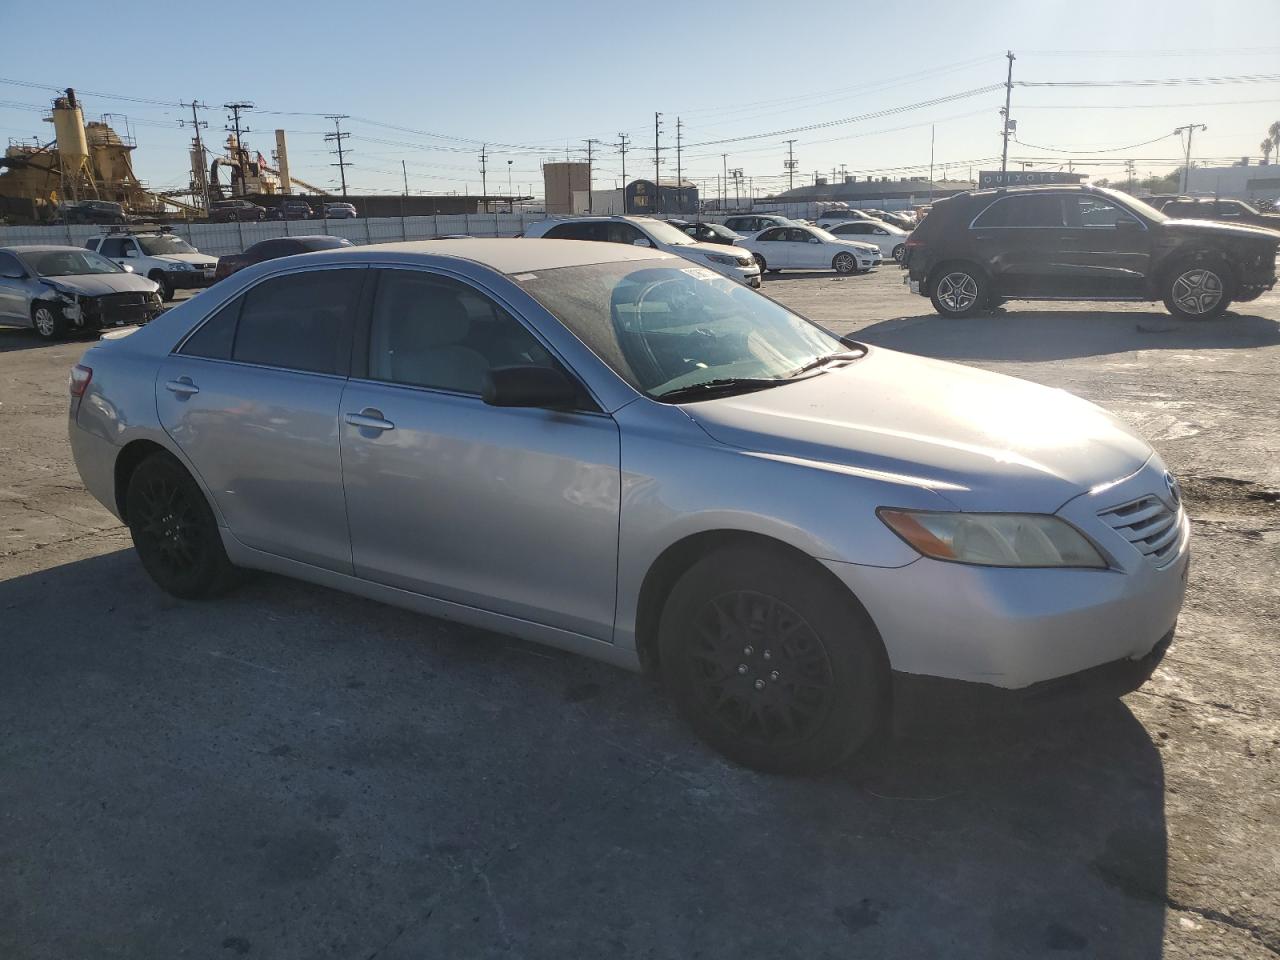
x=252 y=399
x=1017 y=240
x=510 y=510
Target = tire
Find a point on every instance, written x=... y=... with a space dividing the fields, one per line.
x=174 y=531
x=49 y=323
x=898 y=251
x=1197 y=290
x=960 y=290
x=736 y=630
x=166 y=291
x=845 y=263
x=233 y=216
x=764 y=267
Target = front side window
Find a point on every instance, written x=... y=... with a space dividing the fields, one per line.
x=431 y=331
x=1028 y=210
x=663 y=328
x=1098 y=213
x=774 y=234
x=301 y=321
x=9 y=266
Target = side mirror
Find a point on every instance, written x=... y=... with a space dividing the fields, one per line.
x=814 y=240
x=13 y=276
x=529 y=386
x=131 y=252
x=641 y=242
x=127 y=268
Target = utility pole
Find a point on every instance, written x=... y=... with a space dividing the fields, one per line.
x=724 y=183
x=1129 y=166
x=590 y=156
x=336 y=138
x=1190 y=130
x=843 y=176
x=404 y=170
x=201 y=170
x=932 y=132
x=1008 y=124
x=622 y=149
x=657 y=188
x=511 y=194
x=484 y=177
x=790 y=164
x=736 y=173
x=236 y=109
x=679 y=171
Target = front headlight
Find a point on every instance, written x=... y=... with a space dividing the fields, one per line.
x=994 y=539
x=721 y=258
x=66 y=297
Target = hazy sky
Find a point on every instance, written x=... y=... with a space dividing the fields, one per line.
x=535 y=80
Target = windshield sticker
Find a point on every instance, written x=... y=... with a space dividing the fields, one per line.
x=701 y=273
x=522 y=277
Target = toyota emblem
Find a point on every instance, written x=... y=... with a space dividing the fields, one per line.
x=1175 y=491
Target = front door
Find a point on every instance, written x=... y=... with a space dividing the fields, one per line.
x=13 y=291
x=251 y=398
x=510 y=510
x=774 y=248
x=1106 y=249
x=807 y=250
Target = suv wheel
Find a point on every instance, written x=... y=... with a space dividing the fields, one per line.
x=166 y=291
x=776 y=668
x=1197 y=291
x=959 y=291
x=48 y=322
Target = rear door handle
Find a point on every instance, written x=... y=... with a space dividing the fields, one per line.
x=183 y=387
x=369 y=419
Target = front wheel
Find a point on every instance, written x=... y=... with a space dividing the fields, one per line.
x=48 y=321
x=959 y=291
x=898 y=251
x=772 y=665
x=166 y=290
x=764 y=267
x=174 y=530
x=845 y=263
x=1195 y=291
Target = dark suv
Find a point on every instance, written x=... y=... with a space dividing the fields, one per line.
x=976 y=250
x=224 y=211
x=1228 y=211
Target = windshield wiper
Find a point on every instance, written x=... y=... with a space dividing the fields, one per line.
x=817 y=362
x=720 y=385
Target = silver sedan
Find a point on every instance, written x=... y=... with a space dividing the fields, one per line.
x=606 y=449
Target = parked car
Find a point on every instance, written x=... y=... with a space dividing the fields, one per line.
x=831 y=217
x=58 y=290
x=1228 y=211
x=290 y=210
x=1082 y=243
x=224 y=211
x=647 y=232
x=90 y=211
x=891 y=240
x=340 y=211
x=600 y=448
x=169 y=261
x=750 y=224
x=275 y=248
x=707 y=232
x=810 y=248
x=902 y=221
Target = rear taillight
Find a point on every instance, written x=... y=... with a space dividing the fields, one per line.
x=913 y=242
x=78 y=382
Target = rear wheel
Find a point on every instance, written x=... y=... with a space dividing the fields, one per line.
x=959 y=291
x=48 y=321
x=845 y=263
x=175 y=532
x=1197 y=291
x=773 y=666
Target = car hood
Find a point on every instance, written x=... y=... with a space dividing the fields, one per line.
x=698 y=249
x=198 y=259
x=1218 y=229
x=99 y=284
x=982 y=440
x=862 y=245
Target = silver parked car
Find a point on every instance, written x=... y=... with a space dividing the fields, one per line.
x=601 y=447
x=59 y=289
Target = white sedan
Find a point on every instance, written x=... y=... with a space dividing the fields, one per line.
x=810 y=248
x=891 y=240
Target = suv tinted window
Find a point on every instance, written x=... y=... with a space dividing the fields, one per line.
x=430 y=331
x=1182 y=208
x=1030 y=210
x=1097 y=213
x=112 y=247
x=572 y=231
x=214 y=339
x=300 y=321
x=625 y=233
x=9 y=264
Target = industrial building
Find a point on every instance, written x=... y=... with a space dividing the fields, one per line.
x=1239 y=182
x=884 y=192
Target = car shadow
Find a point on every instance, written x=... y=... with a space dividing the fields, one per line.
x=15 y=339
x=1039 y=335
x=818 y=275
x=296 y=771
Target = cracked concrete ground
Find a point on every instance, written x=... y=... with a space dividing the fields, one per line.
x=291 y=772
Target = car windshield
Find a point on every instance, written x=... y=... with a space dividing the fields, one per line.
x=165 y=244
x=667 y=328
x=666 y=233
x=69 y=263
x=720 y=230
x=823 y=234
x=1134 y=204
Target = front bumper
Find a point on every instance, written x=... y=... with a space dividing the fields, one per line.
x=188 y=279
x=111 y=310
x=750 y=276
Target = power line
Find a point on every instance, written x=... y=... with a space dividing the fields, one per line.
x=1166 y=82
x=1132 y=146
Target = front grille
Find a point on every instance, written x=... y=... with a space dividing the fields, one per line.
x=1149 y=525
x=131 y=299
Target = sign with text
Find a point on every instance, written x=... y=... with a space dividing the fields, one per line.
x=1025 y=178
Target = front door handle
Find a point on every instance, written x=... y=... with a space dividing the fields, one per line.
x=183 y=387
x=369 y=419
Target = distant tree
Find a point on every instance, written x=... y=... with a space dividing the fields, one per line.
x=1273 y=132
x=1266 y=146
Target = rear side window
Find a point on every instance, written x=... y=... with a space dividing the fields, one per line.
x=299 y=322
x=112 y=247
x=1033 y=210
x=575 y=231
x=216 y=335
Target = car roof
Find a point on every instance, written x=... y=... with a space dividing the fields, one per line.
x=37 y=247
x=508 y=256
